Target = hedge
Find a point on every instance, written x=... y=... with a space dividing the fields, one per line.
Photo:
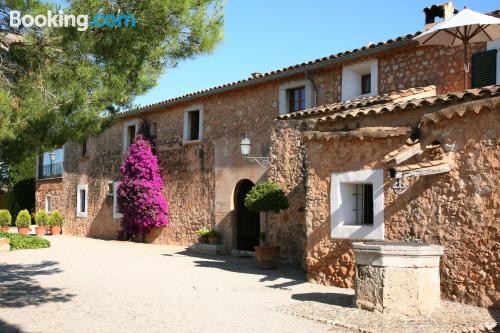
x=22 y=242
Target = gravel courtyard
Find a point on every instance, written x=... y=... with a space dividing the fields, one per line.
x=88 y=285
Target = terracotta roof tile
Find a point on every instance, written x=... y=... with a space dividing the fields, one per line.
x=375 y=109
x=363 y=102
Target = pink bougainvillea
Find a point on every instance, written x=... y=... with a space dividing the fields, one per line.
x=140 y=194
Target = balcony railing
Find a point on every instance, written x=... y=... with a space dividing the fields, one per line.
x=51 y=170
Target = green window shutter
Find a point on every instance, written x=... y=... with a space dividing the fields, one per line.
x=484 y=68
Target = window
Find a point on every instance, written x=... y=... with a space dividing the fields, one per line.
x=366 y=84
x=81 y=201
x=50 y=164
x=357 y=205
x=360 y=80
x=130 y=130
x=84 y=148
x=193 y=124
x=295 y=96
x=48 y=203
x=297 y=99
x=116 y=207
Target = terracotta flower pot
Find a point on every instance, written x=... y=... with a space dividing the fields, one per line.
x=4 y=229
x=40 y=231
x=55 y=230
x=267 y=256
x=213 y=240
x=23 y=230
x=203 y=240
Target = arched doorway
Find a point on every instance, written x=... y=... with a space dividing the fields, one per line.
x=247 y=222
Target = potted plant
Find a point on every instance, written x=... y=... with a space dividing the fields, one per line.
x=5 y=220
x=214 y=237
x=266 y=197
x=23 y=222
x=41 y=220
x=203 y=235
x=56 y=221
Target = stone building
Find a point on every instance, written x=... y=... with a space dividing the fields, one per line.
x=198 y=137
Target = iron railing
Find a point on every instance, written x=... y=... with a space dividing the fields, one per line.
x=51 y=170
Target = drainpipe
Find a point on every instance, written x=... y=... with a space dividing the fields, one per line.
x=314 y=91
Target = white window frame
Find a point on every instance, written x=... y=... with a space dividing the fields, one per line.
x=48 y=196
x=187 y=128
x=339 y=230
x=78 y=201
x=126 y=125
x=116 y=214
x=351 y=79
x=284 y=101
x=495 y=44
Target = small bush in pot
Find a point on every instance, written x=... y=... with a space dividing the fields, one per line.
x=23 y=222
x=203 y=235
x=56 y=221
x=266 y=197
x=41 y=220
x=5 y=220
x=214 y=237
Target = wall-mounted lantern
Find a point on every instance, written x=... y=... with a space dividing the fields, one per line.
x=246 y=146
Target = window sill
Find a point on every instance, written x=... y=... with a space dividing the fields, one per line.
x=192 y=142
x=49 y=178
x=81 y=216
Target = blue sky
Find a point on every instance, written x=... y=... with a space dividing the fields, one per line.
x=262 y=35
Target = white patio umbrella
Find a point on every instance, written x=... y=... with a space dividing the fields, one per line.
x=463 y=28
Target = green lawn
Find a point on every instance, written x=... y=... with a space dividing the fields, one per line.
x=21 y=242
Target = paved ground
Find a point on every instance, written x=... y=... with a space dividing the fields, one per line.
x=87 y=285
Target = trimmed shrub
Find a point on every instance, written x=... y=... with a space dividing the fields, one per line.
x=140 y=193
x=21 y=242
x=23 y=219
x=41 y=218
x=202 y=232
x=56 y=218
x=266 y=197
x=5 y=218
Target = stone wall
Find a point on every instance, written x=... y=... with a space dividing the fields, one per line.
x=54 y=188
x=200 y=178
x=456 y=210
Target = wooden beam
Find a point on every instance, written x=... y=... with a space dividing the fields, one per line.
x=424 y=171
x=405 y=154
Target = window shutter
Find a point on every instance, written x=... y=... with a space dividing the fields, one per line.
x=484 y=68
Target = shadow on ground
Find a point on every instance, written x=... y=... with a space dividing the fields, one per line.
x=346 y=301
x=19 y=288
x=247 y=265
x=8 y=328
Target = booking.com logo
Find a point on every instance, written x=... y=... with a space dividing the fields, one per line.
x=81 y=22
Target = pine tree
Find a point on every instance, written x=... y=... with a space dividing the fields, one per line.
x=140 y=194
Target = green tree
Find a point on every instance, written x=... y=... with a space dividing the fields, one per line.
x=60 y=84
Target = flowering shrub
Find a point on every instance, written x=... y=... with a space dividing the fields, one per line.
x=140 y=196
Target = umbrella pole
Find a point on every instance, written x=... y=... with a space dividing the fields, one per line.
x=466 y=61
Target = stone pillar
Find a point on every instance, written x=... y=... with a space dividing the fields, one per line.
x=401 y=278
x=4 y=245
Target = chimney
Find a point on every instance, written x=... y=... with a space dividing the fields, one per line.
x=444 y=11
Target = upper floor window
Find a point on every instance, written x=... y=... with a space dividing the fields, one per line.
x=485 y=66
x=51 y=164
x=295 y=96
x=84 y=148
x=360 y=80
x=130 y=130
x=193 y=124
x=297 y=99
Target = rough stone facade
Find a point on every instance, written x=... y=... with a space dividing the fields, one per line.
x=54 y=188
x=457 y=209
x=201 y=178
